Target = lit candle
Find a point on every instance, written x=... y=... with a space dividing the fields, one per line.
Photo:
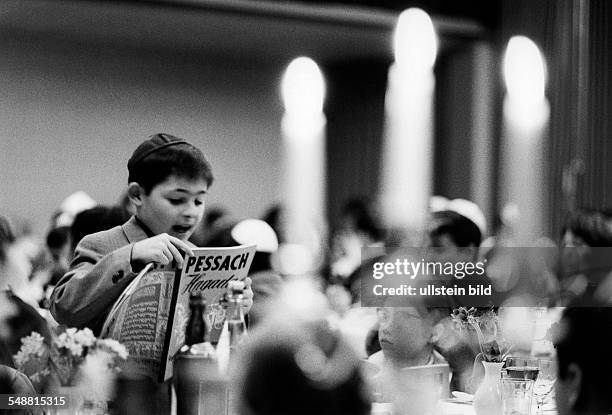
x=408 y=142
x=526 y=114
x=303 y=175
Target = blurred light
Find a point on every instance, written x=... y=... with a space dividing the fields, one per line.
x=301 y=298
x=524 y=70
x=293 y=259
x=303 y=88
x=415 y=41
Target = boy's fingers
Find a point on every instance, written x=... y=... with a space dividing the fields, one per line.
x=180 y=245
x=167 y=255
x=176 y=254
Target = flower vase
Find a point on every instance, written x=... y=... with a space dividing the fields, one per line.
x=487 y=399
x=73 y=399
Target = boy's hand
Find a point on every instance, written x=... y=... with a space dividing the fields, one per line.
x=247 y=296
x=162 y=249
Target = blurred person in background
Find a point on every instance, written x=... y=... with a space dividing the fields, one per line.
x=17 y=318
x=359 y=228
x=62 y=241
x=456 y=230
x=307 y=366
x=586 y=247
x=96 y=219
x=266 y=282
x=215 y=219
x=273 y=216
x=60 y=250
x=583 y=362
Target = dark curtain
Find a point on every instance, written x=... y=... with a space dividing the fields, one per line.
x=355 y=119
x=576 y=39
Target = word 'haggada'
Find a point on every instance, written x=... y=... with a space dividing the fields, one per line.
x=216 y=263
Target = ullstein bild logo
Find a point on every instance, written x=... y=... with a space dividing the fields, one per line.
x=432 y=290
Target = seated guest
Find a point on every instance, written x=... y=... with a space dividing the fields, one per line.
x=456 y=230
x=406 y=336
x=584 y=365
x=96 y=219
x=585 y=270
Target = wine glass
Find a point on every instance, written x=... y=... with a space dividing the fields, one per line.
x=522 y=367
x=544 y=382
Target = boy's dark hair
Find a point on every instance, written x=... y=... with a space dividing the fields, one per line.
x=460 y=229
x=583 y=339
x=593 y=226
x=164 y=155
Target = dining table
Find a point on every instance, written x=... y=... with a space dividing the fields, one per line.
x=453 y=407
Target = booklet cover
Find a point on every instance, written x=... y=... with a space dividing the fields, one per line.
x=151 y=315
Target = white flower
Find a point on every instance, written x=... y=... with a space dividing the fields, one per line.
x=75 y=349
x=85 y=337
x=31 y=346
x=114 y=346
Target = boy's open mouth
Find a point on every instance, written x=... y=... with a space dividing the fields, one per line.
x=181 y=228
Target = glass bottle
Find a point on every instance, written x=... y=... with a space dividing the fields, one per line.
x=201 y=389
x=234 y=332
x=196 y=329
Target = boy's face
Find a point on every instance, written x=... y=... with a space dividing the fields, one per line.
x=404 y=334
x=174 y=206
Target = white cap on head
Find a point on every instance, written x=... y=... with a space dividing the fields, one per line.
x=256 y=232
x=463 y=207
x=72 y=206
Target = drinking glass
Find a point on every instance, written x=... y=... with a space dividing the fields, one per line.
x=545 y=381
x=516 y=396
x=522 y=368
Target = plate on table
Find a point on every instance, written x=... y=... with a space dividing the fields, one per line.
x=463 y=397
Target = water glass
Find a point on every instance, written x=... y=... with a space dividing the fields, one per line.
x=516 y=396
x=545 y=381
x=522 y=368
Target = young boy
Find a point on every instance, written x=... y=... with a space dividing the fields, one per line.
x=168 y=180
x=407 y=336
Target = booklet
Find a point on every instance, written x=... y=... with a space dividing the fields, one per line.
x=151 y=314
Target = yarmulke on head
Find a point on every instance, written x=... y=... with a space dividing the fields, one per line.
x=155 y=143
x=163 y=155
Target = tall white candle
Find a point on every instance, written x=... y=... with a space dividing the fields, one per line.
x=526 y=114
x=303 y=175
x=408 y=143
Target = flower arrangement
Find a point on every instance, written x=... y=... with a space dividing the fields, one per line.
x=62 y=356
x=485 y=323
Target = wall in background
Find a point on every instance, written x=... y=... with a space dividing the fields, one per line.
x=72 y=113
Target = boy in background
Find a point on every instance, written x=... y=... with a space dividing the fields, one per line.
x=168 y=181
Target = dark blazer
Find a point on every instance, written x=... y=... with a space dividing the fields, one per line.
x=98 y=274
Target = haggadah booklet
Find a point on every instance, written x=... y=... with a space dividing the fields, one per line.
x=151 y=315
